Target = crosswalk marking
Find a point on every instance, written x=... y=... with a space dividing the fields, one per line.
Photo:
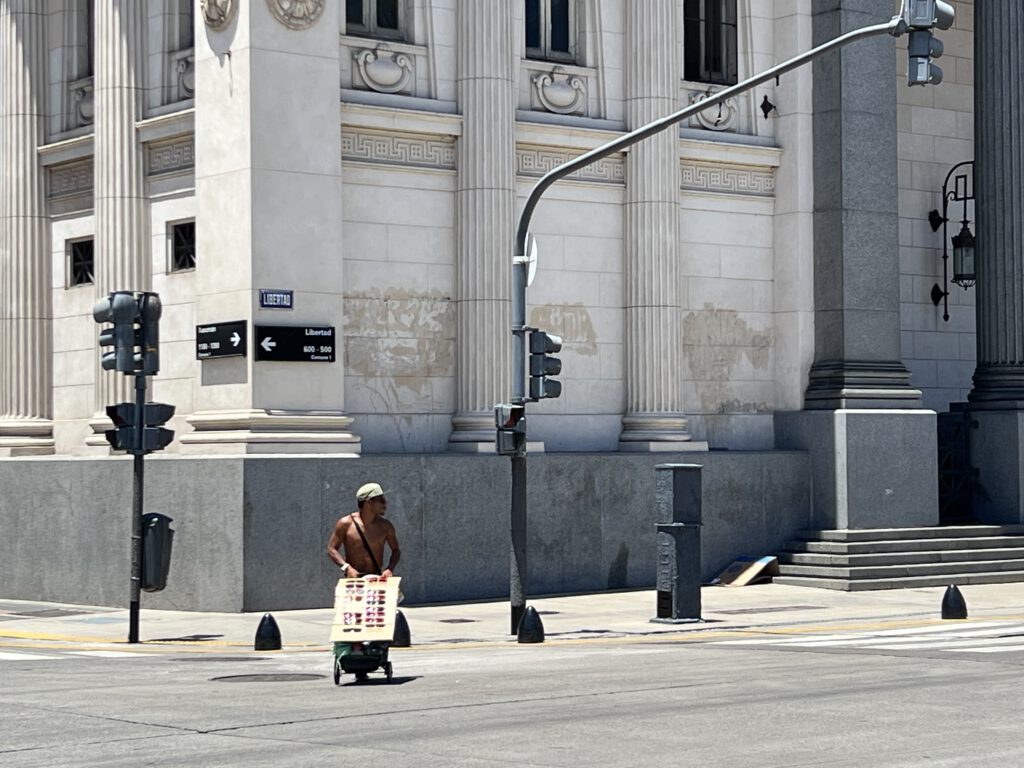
x=960 y=637
x=110 y=654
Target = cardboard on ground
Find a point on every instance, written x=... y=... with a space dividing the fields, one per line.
x=745 y=570
x=365 y=610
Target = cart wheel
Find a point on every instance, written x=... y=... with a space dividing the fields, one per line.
x=387 y=670
x=337 y=671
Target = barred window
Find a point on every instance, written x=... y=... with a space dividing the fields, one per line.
x=374 y=18
x=81 y=264
x=709 y=40
x=550 y=30
x=183 y=246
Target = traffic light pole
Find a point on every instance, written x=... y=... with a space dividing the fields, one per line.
x=520 y=263
x=138 y=487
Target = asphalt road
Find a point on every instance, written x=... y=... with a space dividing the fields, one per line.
x=765 y=701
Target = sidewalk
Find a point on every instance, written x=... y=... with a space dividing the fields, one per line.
x=600 y=615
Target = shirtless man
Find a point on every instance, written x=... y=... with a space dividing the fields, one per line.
x=357 y=561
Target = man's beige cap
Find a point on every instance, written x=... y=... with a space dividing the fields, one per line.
x=369 y=491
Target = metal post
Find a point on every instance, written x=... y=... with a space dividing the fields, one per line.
x=137 y=503
x=678 y=503
x=895 y=27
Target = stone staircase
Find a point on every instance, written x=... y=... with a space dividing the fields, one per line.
x=898 y=558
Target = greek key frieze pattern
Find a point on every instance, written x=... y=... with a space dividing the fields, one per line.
x=399 y=149
x=728 y=179
x=535 y=162
x=70 y=180
x=170 y=157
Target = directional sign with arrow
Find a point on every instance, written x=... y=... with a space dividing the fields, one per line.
x=221 y=340
x=295 y=343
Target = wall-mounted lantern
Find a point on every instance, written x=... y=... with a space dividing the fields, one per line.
x=963 y=242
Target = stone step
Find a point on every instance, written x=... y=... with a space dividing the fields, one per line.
x=907 y=582
x=931 y=532
x=900 y=571
x=900 y=558
x=903 y=545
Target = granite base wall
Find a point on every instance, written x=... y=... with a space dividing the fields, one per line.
x=251 y=532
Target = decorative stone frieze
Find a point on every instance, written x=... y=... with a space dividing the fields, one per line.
x=401 y=149
x=534 y=162
x=172 y=156
x=70 y=180
x=218 y=14
x=297 y=14
x=560 y=92
x=727 y=179
x=723 y=117
x=384 y=70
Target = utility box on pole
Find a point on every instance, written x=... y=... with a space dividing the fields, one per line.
x=677 y=500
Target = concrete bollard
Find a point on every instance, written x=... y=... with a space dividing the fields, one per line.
x=531 y=628
x=953 y=604
x=268 y=636
x=677 y=501
x=402 y=637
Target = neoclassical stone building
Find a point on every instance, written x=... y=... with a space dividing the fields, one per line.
x=760 y=279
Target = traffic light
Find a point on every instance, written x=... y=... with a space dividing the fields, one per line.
x=120 y=309
x=154 y=436
x=511 y=423
x=135 y=333
x=147 y=359
x=542 y=365
x=922 y=16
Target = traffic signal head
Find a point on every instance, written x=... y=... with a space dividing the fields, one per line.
x=510 y=419
x=147 y=359
x=922 y=16
x=120 y=309
x=125 y=434
x=543 y=366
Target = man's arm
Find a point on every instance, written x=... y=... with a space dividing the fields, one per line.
x=396 y=551
x=334 y=544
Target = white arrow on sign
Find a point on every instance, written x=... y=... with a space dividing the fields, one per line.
x=235 y=339
x=267 y=344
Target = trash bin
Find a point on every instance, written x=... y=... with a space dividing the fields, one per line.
x=157 y=537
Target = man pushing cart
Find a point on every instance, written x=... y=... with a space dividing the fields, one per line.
x=366 y=597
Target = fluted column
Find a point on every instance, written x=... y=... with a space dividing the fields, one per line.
x=122 y=232
x=485 y=203
x=26 y=354
x=999 y=174
x=654 y=389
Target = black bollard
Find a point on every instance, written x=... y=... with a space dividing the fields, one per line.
x=953 y=604
x=531 y=628
x=402 y=637
x=268 y=636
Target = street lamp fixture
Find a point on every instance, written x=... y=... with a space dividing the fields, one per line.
x=961 y=192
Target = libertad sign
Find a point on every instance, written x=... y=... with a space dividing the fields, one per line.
x=294 y=343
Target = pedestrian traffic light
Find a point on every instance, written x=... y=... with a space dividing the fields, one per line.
x=124 y=436
x=511 y=423
x=922 y=16
x=542 y=365
x=120 y=309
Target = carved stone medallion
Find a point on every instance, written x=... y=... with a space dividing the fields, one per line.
x=297 y=14
x=219 y=13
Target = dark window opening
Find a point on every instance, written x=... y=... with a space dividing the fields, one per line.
x=709 y=40
x=374 y=18
x=354 y=12
x=83 y=266
x=549 y=30
x=387 y=14
x=183 y=246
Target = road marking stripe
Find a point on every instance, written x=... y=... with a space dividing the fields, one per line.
x=24 y=656
x=112 y=654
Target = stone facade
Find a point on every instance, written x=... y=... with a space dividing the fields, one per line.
x=375 y=168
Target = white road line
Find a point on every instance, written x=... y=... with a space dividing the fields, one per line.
x=15 y=656
x=111 y=654
x=999 y=649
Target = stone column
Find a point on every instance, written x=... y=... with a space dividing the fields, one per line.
x=654 y=420
x=486 y=213
x=997 y=399
x=269 y=212
x=26 y=354
x=873 y=451
x=122 y=224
